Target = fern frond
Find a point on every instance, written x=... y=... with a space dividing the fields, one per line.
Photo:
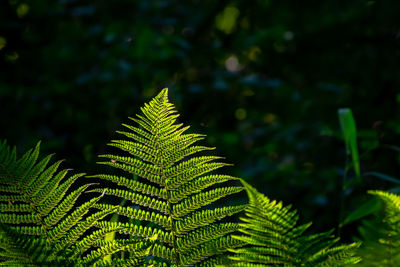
x=381 y=234
x=39 y=219
x=175 y=190
x=273 y=239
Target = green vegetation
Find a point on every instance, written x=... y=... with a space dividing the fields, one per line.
x=275 y=240
x=303 y=100
x=175 y=219
x=263 y=79
x=174 y=187
x=35 y=202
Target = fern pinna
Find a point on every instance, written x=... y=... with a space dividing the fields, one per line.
x=273 y=239
x=176 y=190
x=40 y=225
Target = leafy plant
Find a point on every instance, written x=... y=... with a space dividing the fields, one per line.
x=348 y=126
x=170 y=209
x=176 y=192
x=39 y=222
x=273 y=238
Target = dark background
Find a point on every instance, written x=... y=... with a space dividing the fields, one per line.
x=263 y=79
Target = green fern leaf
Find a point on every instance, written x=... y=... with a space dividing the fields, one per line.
x=273 y=239
x=176 y=191
x=39 y=220
x=381 y=234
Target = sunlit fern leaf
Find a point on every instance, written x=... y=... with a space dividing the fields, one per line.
x=38 y=208
x=274 y=239
x=176 y=190
x=381 y=234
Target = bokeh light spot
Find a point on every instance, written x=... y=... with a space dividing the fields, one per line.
x=248 y=92
x=22 y=10
x=270 y=118
x=280 y=48
x=288 y=36
x=12 y=56
x=240 y=114
x=3 y=42
x=226 y=21
x=253 y=53
x=232 y=64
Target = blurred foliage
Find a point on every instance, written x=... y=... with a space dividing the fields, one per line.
x=263 y=79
